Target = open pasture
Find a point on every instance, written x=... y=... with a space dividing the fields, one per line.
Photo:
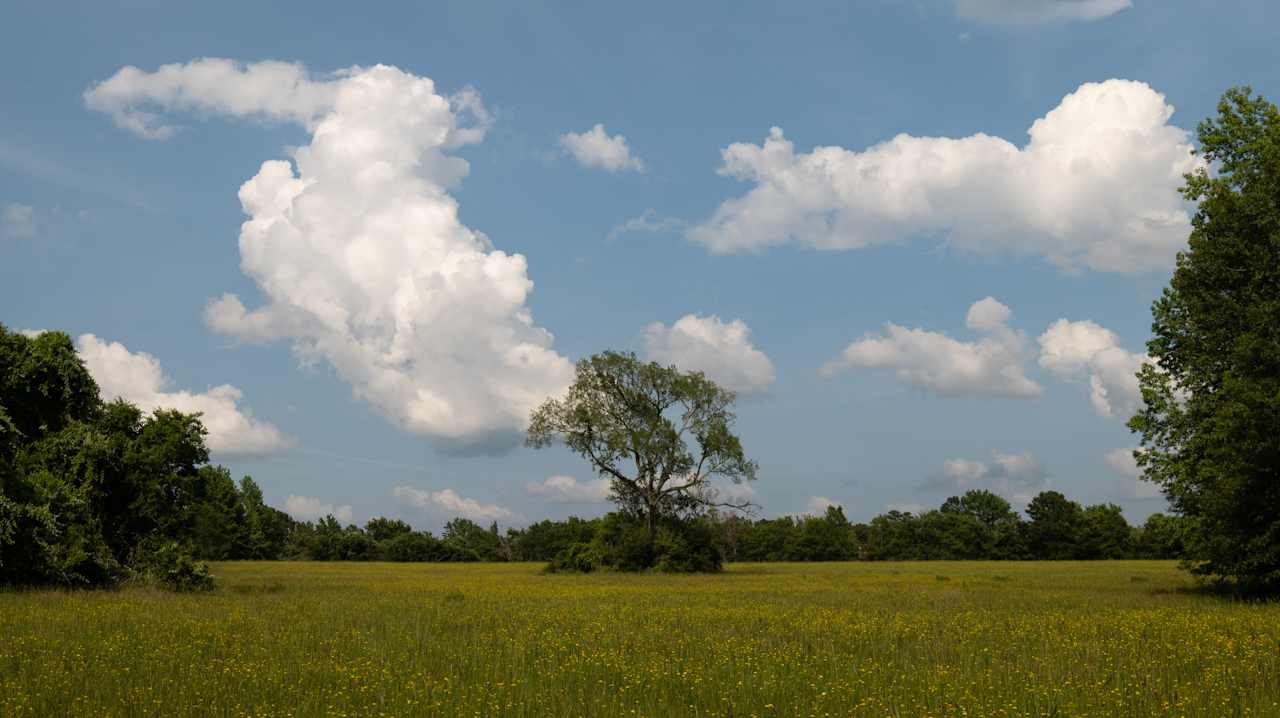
x=906 y=639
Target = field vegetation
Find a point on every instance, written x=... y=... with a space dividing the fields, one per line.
x=1118 y=638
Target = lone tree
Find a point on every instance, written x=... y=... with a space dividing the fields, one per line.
x=1210 y=423
x=635 y=421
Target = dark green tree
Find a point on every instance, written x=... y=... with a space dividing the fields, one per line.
x=659 y=434
x=1105 y=533
x=1210 y=421
x=1055 y=530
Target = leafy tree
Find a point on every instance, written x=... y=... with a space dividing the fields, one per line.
x=1163 y=537
x=634 y=422
x=766 y=539
x=92 y=493
x=894 y=536
x=384 y=529
x=1105 y=533
x=1210 y=421
x=470 y=538
x=821 y=538
x=1054 y=531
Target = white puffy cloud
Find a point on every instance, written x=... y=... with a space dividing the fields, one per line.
x=17 y=221
x=1123 y=463
x=934 y=362
x=1016 y=477
x=139 y=379
x=721 y=350
x=357 y=246
x=1071 y=350
x=597 y=149
x=1095 y=187
x=987 y=315
x=309 y=508
x=568 y=490
x=1038 y=12
x=449 y=503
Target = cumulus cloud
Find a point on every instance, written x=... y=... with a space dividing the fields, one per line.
x=1038 y=12
x=1095 y=187
x=934 y=362
x=279 y=91
x=308 y=508
x=1071 y=350
x=17 y=221
x=1123 y=463
x=648 y=222
x=721 y=350
x=597 y=149
x=357 y=245
x=1016 y=477
x=139 y=379
x=568 y=490
x=449 y=503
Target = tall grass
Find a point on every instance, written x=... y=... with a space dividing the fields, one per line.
x=909 y=639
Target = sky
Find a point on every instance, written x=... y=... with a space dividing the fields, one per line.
x=920 y=239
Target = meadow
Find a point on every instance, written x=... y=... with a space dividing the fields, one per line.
x=1114 y=638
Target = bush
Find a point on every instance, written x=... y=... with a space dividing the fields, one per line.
x=621 y=543
x=171 y=566
x=576 y=558
x=687 y=547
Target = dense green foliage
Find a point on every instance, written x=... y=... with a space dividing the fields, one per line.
x=1210 y=423
x=92 y=493
x=658 y=434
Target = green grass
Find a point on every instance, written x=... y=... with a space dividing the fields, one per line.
x=907 y=639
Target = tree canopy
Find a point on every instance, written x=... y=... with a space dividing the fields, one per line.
x=658 y=434
x=1210 y=421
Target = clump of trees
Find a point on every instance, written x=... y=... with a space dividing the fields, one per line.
x=95 y=493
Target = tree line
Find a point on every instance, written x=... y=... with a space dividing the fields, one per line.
x=978 y=525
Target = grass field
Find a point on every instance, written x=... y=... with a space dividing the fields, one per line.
x=911 y=639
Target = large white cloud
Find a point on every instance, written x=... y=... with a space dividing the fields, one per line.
x=568 y=490
x=721 y=350
x=138 y=378
x=596 y=148
x=934 y=362
x=358 y=248
x=309 y=508
x=1071 y=350
x=449 y=503
x=1095 y=187
x=1016 y=477
x=1038 y=12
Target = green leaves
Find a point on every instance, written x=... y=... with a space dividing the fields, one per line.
x=657 y=433
x=1210 y=423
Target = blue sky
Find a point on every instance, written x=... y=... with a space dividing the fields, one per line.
x=381 y=350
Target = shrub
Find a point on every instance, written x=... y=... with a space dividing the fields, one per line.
x=171 y=566
x=575 y=558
